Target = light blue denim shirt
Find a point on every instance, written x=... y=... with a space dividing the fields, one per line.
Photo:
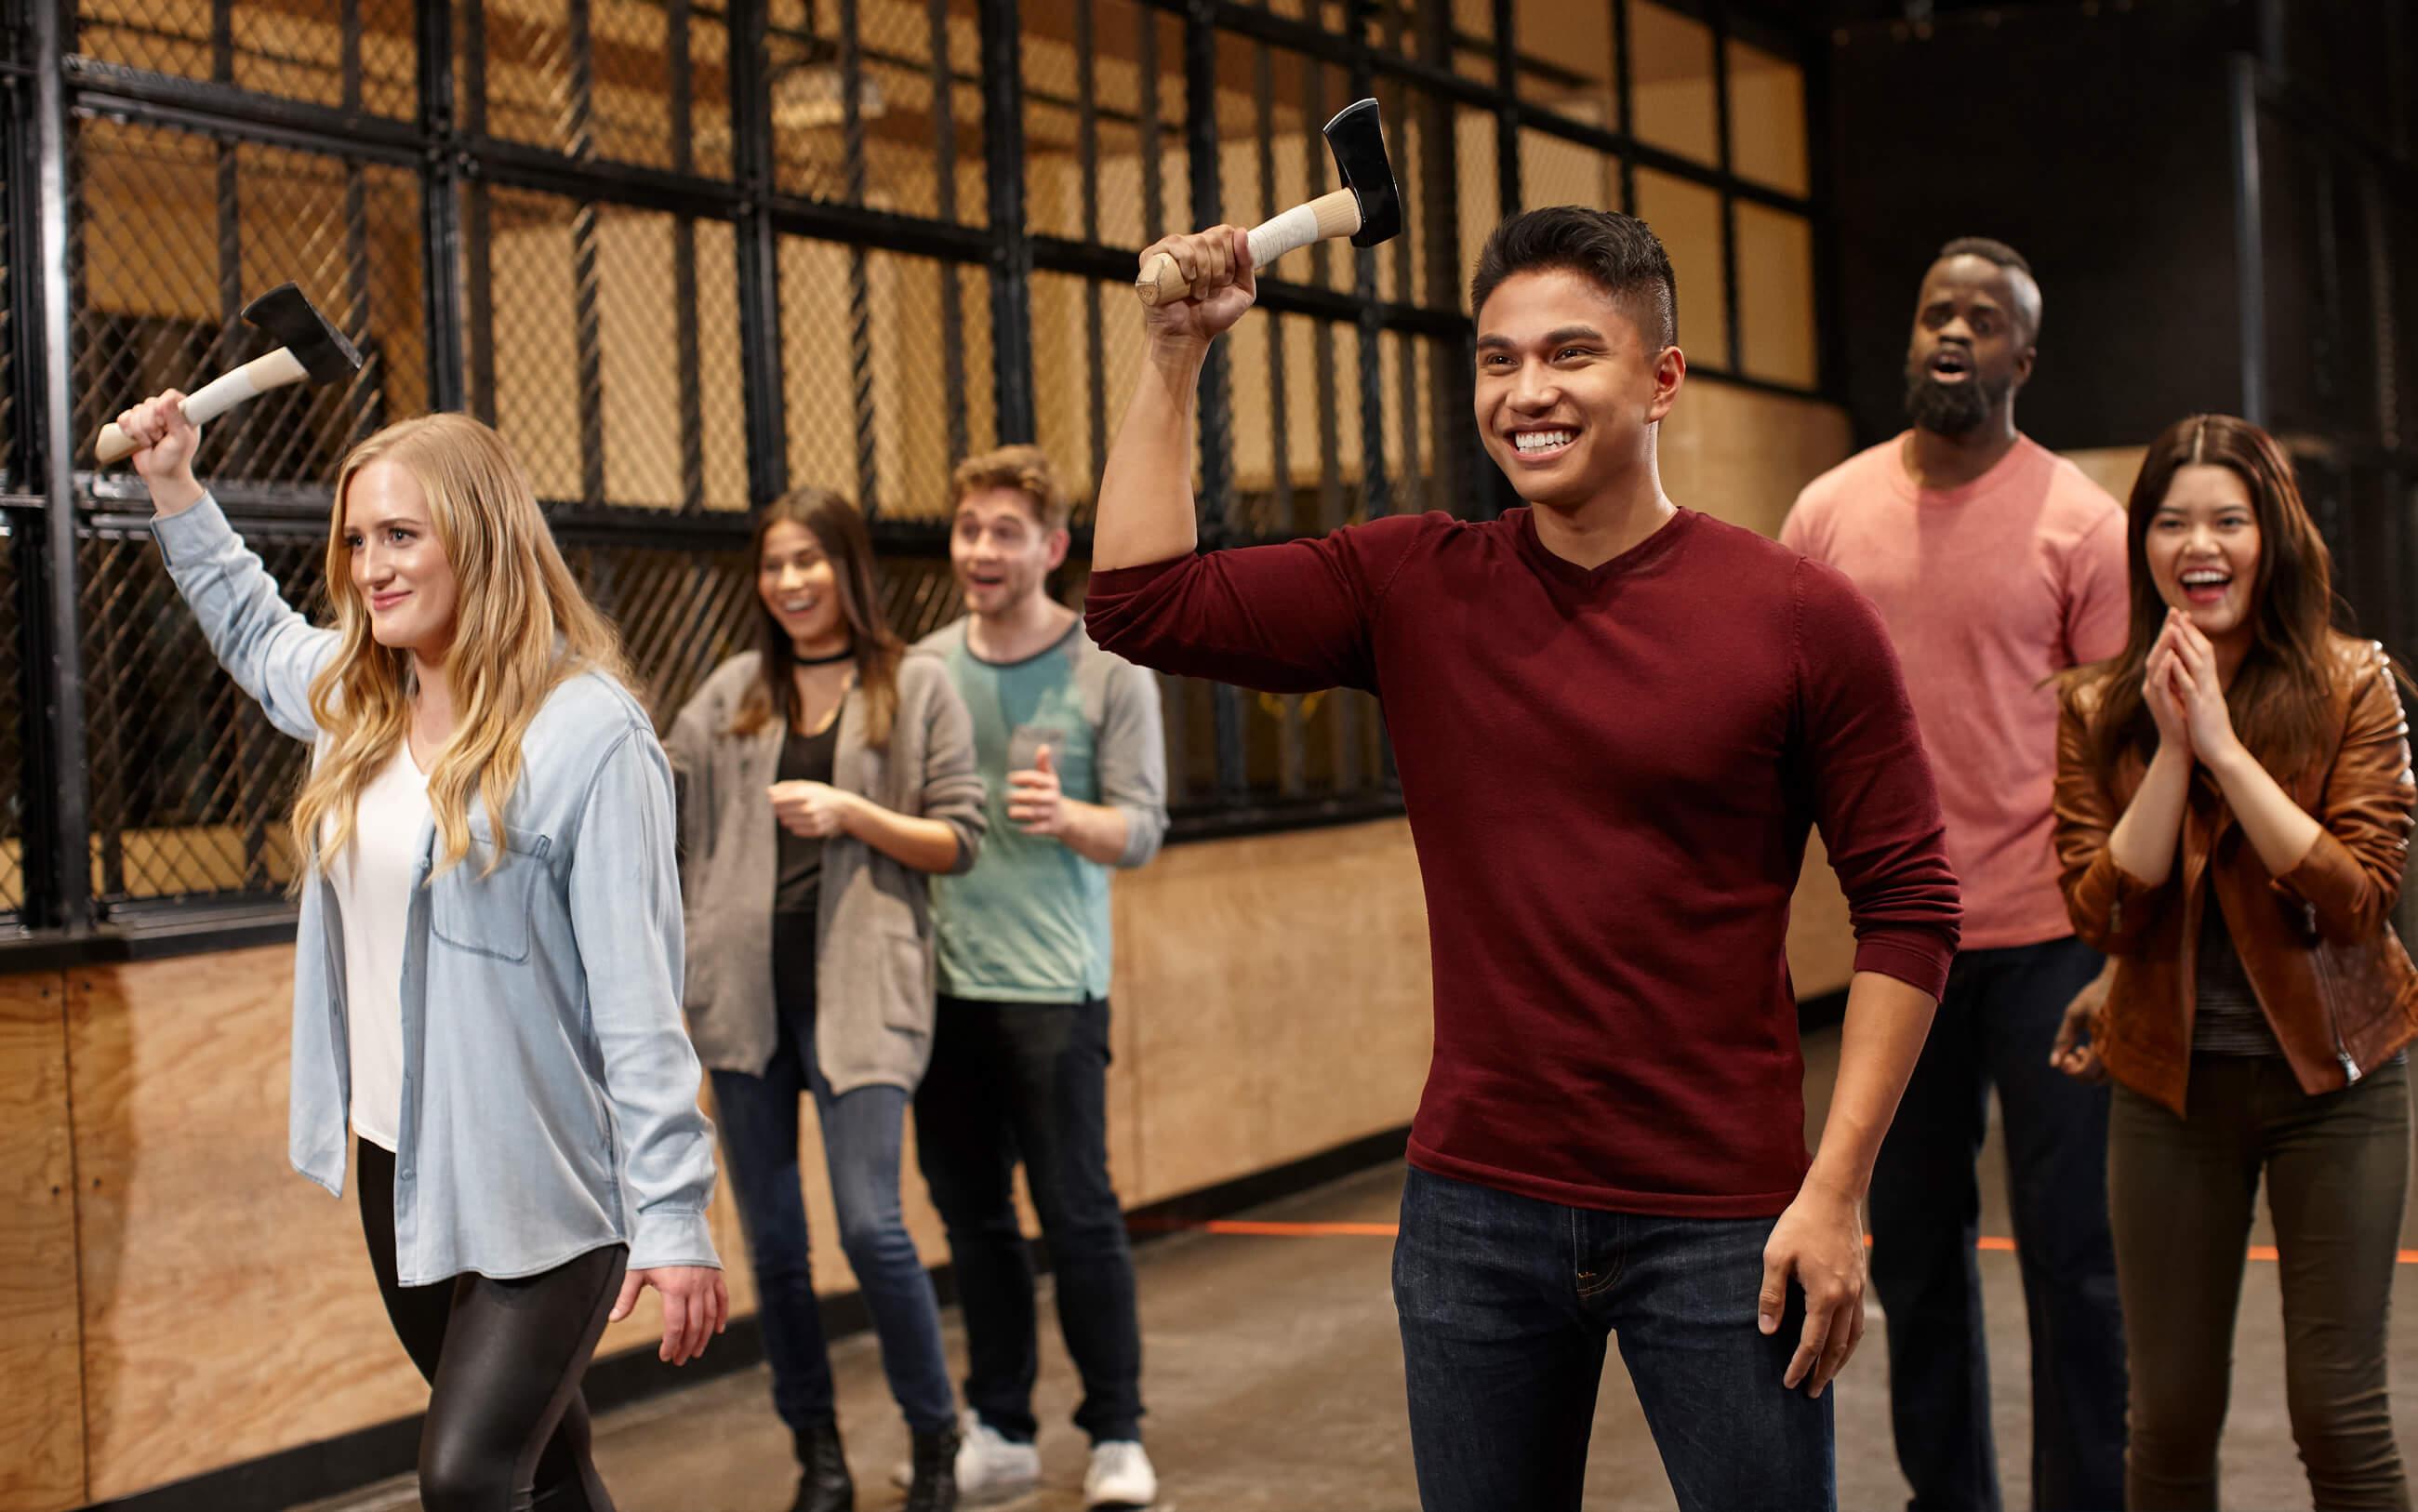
x=549 y=1090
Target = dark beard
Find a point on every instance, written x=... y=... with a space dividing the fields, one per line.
x=1950 y=408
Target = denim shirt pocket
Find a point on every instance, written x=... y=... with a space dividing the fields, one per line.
x=487 y=913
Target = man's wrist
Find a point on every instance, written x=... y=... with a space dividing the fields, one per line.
x=1843 y=1188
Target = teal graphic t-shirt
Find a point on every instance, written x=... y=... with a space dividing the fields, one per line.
x=1030 y=923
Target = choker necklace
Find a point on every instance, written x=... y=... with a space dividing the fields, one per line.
x=823 y=661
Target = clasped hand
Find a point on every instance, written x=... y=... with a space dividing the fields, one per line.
x=2186 y=693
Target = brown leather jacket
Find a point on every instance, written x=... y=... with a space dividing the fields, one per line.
x=2317 y=942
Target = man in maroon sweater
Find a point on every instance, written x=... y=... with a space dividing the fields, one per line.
x=1614 y=720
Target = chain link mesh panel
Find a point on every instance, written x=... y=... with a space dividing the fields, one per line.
x=908 y=138
x=1087 y=350
x=12 y=720
x=1105 y=159
x=605 y=339
x=887 y=363
x=681 y=612
x=1444 y=164
x=347 y=54
x=1556 y=171
x=644 y=82
x=190 y=785
x=8 y=329
x=608 y=354
x=1297 y=441
x=173 y=231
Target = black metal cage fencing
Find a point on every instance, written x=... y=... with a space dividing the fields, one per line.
x=688 y=254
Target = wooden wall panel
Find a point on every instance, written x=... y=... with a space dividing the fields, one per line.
x=1284 y=991
x=1272 y=1000
x=228 y=1305
x=42 y=1411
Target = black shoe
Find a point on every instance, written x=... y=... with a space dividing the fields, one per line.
x=935 y=1485
x=824 y=1485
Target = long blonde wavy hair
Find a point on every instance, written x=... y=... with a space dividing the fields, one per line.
x=521 y=626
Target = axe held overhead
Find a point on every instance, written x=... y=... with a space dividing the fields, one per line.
x=1367 y=209
x=310 y=350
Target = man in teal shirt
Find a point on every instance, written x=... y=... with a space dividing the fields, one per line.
x=1070 y=746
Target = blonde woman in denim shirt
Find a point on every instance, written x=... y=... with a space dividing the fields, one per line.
x=488 y=965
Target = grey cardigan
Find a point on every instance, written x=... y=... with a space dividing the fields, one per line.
x=873 y=925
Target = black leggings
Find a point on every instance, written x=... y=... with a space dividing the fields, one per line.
x=507 y=1430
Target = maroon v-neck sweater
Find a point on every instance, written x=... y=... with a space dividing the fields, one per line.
x=1609 y=775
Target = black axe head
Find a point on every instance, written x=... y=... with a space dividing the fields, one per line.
x=1359 y=143
x=299 y=327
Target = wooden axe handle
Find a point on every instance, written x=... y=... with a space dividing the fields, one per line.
x=249 y=381
x=1330 y=215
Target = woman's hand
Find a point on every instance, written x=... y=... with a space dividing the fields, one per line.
x=2072 y=1051
x=164 y=443
x=816 y=810
x=696 y=1307
x=2160 y=688
x=2200 y=690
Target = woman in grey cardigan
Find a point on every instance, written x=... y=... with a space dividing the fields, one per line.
x=823 y=777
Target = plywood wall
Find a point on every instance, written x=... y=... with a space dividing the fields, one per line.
x=180 y=1301
x=41 y=1424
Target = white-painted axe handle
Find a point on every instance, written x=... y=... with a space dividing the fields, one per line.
x=1330 y=215
x=206 y=404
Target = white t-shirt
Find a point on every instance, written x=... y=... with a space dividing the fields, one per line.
x=372 y=876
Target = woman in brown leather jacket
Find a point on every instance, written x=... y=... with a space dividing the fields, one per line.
x=2233 y=812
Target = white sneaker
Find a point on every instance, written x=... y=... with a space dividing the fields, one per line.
x=1119 y=1476
x=992 y=1467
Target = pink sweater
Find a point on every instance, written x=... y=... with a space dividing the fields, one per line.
x=1988 y=590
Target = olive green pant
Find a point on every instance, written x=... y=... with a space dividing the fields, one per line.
x=2179 y=1193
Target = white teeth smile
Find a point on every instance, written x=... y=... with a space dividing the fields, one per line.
x=797 y=605
x=1542 y=441
x=2205 y=578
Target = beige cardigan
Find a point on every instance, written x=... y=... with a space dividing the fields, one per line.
x=873 y=940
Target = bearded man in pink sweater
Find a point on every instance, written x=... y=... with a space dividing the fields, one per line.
x=1996 y=564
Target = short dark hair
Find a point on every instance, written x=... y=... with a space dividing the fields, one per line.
x=1619 y=253
x=1992 y=250
x=1989 y=251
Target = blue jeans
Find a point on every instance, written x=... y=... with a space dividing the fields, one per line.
x=1995 y=1025
x=863 y=1132
x=1506 y=1305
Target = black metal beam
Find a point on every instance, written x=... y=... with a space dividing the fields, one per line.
x=1735 y=339
x=1009 y=251
x=125 y=94
x=756 y=249
x=2249 y=238
x=68 y=903
x=440 y=213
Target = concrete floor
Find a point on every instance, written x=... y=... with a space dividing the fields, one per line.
x=1275 y=1381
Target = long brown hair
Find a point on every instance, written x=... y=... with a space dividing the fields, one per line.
x=521 y=626
x=839 y=530
x=2282 y=699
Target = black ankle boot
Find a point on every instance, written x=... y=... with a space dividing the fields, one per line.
x=823 y=1485
x=935 y=1485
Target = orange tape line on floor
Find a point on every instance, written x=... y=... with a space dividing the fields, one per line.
x=1259 y=1229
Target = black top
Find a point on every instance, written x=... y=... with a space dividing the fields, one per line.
x=799 y=879
x=2228 y=1020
